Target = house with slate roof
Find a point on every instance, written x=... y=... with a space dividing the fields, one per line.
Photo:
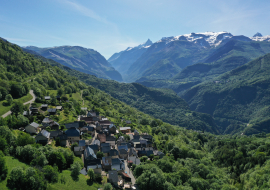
x=96 y=142
x=101 y=138
x=63 y=140
x=54 y=125
x=132 y=152
x=60 y=108
x=32 y=128
x=89 y=155
x=114 y=153
x=94 y=147
x=107 y=163
x=142 y=153
x=73 y=134
x=105 y=149
x=78 y=151
x=55 y=134
x=113 y=177
x=52 y=111
x=95 y=165
x=117 y=164
x=43 y=137
x=70 y=125
x=112 y=128
x=136 y=132
x=135 y=160
x=44 y=107
x=46 y=122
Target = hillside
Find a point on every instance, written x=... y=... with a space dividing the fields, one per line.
x=81 y=59
x=238 y=100
x=123 y=60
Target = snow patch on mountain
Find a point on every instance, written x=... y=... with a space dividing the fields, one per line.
x=147 y=44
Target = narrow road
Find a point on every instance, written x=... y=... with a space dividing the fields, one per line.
x=129 y=172
x=29 y=102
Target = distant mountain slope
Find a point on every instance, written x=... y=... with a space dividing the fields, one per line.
x=239 y=99
x=123 y=60
x=79 y=58
x=225 y=58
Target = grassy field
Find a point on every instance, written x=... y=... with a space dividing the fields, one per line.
x=5 y=109
x=70 y=183
x=11 y=163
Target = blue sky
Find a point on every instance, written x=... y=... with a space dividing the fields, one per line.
x=110 y=26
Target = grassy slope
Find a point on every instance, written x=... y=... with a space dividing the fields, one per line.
x=5 y=109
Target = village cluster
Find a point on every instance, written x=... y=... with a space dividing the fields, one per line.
x=119 y=153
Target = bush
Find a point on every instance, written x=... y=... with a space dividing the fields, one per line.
x=51 y=173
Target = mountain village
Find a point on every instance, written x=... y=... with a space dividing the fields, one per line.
x=110 y=150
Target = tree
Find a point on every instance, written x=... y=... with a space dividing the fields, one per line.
x=91 y=174
x=50 y=173
x=74 y=145
x=107 y=186
x=75 y=170
x=3 y=145
x=39 y=160
x=9 y=99
x=3 y=167
x=22 y=121
x=100 y=155
x=17 y=108
x=143 y=158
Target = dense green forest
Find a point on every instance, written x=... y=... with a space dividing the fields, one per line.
x=193 y=160
x=239 y=100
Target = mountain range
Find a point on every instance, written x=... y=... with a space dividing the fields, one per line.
x=81 y=59
x=173 y=54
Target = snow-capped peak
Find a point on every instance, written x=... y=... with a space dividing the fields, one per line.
x=259 y=37
x=147 y=44
x=205 y=39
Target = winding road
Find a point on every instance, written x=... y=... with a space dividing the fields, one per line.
x=29 y=102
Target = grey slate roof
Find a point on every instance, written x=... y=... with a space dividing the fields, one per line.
x=135 y=160
x=47 y=120
x=55 y=133
x=105 y=149
x=44 y=105
x=117 y=164
x=149 y=152
x=89 y=153
x=113 y=152
x=73 y=132
x=123 y=147
x=78 y=148
x=94 y=147
x=47 y=97
x=70 y=125
x=96 y=142
x=136 y=136
x=81 y=142
x=51 y=110
x=34 y=125
x=113 y=176
x=106 y=161
x=110 y=138
x=44 y=133
x=111 y=126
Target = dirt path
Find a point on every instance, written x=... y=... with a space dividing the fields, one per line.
x=29 y=102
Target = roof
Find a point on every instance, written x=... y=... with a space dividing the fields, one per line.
x=113 y=152
x=96 y=142
x=125 y=175
x=117 y=164
x=90 y=128
x=55 y=133
x=123 y=147
x=54 y=123
x=135 y=132
x=123 y=151
x=105 y=149
x=70 y=125
x=111 y=126
x=149 y=152
x=89 y=153
x=149 y=137
x=124 y=128
x=101 y=137
x=125 y=143
x=78 y=148
x=59 y=107
x=47 y=120
x=130 y=136
x=113 y=176
x=135 y=160
x=91 y=114
x=94 y=146
x=34 y=125
x=44 y=133
x=140 y=145
x=136 y=136
x=140 y=152
x=107 y=161
x=93 y=162
x=44 y=105
x=84 y=109
x=25 y=113
x=52 y=110
x=132 y=151
x=110 y=138
x=81 y=142
x=73 y=132
x=47 y=97
x=63 y=137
